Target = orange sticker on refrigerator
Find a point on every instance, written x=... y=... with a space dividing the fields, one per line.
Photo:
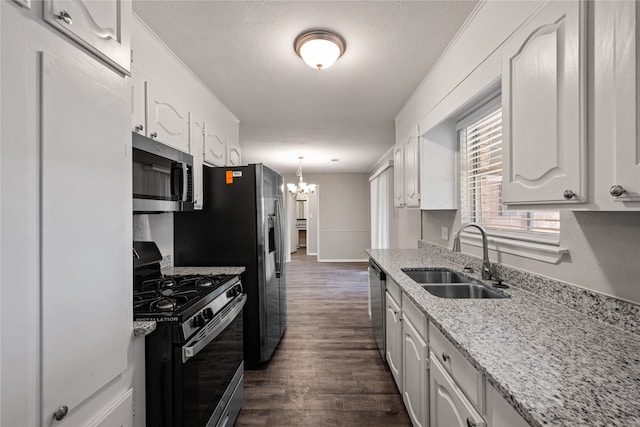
x=229 y=177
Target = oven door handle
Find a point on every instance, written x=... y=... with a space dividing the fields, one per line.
x=212 y=329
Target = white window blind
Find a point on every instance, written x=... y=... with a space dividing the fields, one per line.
x=481 y=183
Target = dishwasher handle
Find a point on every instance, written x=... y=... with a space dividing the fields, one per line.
x=375 y=268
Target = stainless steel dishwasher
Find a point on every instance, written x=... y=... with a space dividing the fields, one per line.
x=377 y=288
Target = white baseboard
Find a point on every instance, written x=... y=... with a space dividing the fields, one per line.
x=344 y=260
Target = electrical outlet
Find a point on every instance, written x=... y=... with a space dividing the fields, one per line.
x=444 y=233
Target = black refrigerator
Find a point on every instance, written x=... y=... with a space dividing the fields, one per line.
x=242 y=224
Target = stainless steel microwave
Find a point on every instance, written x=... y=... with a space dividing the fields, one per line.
x=162 y=177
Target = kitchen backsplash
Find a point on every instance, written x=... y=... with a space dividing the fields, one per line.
x=617 y=312
x=157 y=228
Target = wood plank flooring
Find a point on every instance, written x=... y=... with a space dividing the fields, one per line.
x=327 y=370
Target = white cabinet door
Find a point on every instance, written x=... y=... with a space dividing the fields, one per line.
x=500 y=413
x=118 y=414
x=398 y=175
x=449 y=406
x=215 y=146
x=414 y=374
x=394 y=339
x=412 y=170
x=102 y=27
x=544 y=103
x=86 y=243
x=168 y=121
x=617 y=89
x=138 y=102
x=196 y=148
x=234 y=156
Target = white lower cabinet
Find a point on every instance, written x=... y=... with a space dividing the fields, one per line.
x=449 y=407
x=500 y=413
x=394 y=339
x=415 y=373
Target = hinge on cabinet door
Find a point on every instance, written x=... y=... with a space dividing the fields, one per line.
x=428 y=363
x=132 y=56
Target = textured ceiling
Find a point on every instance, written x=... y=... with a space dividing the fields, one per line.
x=243 y=50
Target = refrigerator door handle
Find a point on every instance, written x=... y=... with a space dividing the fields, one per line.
x=279 y=239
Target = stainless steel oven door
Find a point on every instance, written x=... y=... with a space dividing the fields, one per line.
x=211 y=361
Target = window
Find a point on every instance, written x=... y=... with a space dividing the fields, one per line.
x=481 y=183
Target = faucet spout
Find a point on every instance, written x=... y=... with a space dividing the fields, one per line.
x=487 y=270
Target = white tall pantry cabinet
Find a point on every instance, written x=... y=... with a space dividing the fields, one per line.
x=65 y=296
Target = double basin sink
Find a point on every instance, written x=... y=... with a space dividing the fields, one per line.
x=446 y=283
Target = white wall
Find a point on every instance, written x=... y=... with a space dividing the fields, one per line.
x=603 y=246
x=343 y=215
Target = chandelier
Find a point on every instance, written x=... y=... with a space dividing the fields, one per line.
x=302 y=189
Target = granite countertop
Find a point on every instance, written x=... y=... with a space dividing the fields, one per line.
x=554 y=365
x=202 y=270
x=143 y=328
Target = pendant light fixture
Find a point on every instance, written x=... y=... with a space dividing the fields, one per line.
x=319 y=48
x=302 y=189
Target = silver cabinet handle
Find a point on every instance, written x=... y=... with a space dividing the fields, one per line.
x=154 y=134
x=139 y=128
x=471 y=423
x=61 y=412
x=445 y=356
x=569 y=194
x=617 y=190
x=64 y=16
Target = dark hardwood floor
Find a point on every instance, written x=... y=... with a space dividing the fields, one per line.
x=327 y=370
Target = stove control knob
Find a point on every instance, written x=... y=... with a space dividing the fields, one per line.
x=208 y=313
x=198 y=320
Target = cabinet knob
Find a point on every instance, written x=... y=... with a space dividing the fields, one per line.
x=617 y=190
x=64 y=16
x=61 y=412
x=139 y=128
x=569 y=194
x=471 y=423
x=154 y=134
x=445 y=356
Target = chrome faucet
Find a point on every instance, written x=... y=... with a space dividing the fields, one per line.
x=487 y=271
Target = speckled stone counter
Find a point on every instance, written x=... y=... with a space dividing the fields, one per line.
x=554 y=365
x=142 y=328
x=202 y=270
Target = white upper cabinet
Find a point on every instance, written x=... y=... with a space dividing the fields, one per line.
x=234 y=156
x=398 y=175
x=138 y=102
x=544 y=105
x=215 y=146
x=168 y=120
x=616 y=75
x=406 y=176
x=412 y=170
x=102 y=27
x=196 y=146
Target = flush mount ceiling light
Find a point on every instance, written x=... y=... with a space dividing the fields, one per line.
x=302 y=189
x=319 y=48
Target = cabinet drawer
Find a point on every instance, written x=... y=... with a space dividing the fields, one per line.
x=417 y=317
x=394 y=290
x=466 y=376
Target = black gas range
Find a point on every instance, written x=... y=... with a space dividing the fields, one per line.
x=194 y=358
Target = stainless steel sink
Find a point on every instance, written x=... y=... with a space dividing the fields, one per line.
x=446 y=283
x=462 y=290
x=422 y=275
